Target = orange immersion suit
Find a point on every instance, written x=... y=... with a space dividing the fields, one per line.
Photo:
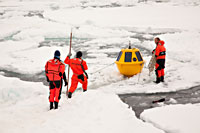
x=78 y=76
x=54 y=69
x=160 y=53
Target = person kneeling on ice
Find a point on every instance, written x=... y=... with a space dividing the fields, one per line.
x=78 y=66
x=160 y=53
x=55 y=72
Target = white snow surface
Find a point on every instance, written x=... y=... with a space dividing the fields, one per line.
x=174 y=118
x=24 y=109
x=106 y=26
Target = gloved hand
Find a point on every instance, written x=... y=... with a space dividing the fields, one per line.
x=153 y=51
x=69 y=55
x=66 y=83
x=47 y=79
x=60 y=74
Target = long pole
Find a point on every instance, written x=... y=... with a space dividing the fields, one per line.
x=70 y=46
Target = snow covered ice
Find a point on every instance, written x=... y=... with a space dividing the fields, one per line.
x=174 y=118
x=94 y=111
x=31 y=30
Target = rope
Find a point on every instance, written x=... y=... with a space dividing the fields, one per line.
x=140 y=72
x=102 y=68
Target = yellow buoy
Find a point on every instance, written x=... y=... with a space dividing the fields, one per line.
x=130 y=62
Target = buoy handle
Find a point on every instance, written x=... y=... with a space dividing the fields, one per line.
x=129 y=46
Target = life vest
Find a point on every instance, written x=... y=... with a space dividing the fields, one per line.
x=160 y=50
x=52 y=68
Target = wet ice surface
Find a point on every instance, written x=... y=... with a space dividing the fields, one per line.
x=140 y=101
x=39 y=77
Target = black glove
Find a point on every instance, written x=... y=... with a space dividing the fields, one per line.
x=69 y=55
x=153 y=51
x=66 y=83
x=60 y=74
x=47 y=79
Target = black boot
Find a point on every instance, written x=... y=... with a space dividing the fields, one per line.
x=84 y=90
x=157 y=80
x=56 y=105
x=69 y=95
x=162 y=78
x=51 y=105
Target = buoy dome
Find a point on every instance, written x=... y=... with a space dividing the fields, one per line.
x=129 y=62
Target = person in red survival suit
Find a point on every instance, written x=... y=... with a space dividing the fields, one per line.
x=160 y=53
x=55 y=72
x=78 y=66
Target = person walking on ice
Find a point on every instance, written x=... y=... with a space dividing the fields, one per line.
x=78 y=66
x=55 y=72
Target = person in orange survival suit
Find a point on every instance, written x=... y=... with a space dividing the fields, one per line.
x=78 y=66
x=160 y=53
x=55 y=72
